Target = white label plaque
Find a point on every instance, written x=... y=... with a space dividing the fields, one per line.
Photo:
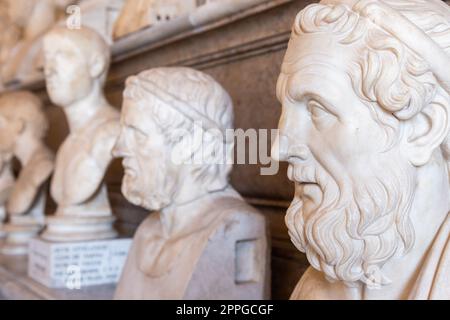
x=78 y=264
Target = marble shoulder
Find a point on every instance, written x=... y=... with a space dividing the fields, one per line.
x=148 y=223
x=108 y=128
x=314 y=286
x=240 y=218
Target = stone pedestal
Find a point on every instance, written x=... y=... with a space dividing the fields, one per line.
x=18 y=233
x=72 y=229
x=20 y=229
x=78 y=264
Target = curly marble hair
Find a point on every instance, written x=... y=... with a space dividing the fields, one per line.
x=394 y=82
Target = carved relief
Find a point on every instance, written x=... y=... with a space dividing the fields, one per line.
x=139 y=14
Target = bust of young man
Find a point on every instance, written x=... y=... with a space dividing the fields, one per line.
x=365 y=128
x=203 y=241
x=76 y=66
x=23 y=126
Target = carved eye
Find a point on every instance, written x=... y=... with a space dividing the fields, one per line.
x=139 y=135
x=319 y=114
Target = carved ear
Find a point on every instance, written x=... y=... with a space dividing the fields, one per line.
x=97 y=66
x=430 y=129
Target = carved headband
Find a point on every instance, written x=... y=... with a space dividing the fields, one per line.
x=179 y=105
x=412 y=36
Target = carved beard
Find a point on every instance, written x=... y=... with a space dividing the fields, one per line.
x=152 y=189
x=350 y=234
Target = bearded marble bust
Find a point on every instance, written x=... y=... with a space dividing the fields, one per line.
x=76 y=67
x=23 y=127
x=365 y=128
x=202 y=241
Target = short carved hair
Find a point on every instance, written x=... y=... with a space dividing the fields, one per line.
x=27 y=107
x=196 y=94
x=86 y=40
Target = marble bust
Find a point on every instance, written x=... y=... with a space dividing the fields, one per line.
x=76 y=67
x=203 y=241
x=23 y=126
x=365 y=128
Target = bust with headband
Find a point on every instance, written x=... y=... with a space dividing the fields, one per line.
x=76 y=66
x=202 y=240
x=365 y=127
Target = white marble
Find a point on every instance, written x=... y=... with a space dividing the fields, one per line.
x=365 y=128
x=203 y=241
x=76 y=67
x=23 y=127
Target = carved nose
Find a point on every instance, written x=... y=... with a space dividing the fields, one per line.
x=119 y=148
x=280 y=148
